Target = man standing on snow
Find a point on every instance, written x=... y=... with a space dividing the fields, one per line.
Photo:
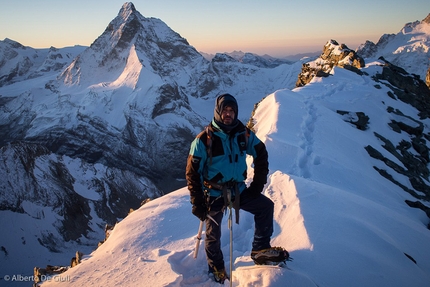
x=217 y=164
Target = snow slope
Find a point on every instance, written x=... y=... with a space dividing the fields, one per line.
x=343 y=224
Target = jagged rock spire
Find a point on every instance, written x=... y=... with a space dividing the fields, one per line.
x=333 y=55
x=126 y=11
x=426 y=19
x=127 y=7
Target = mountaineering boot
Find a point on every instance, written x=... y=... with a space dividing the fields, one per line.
x=270 y=256
x=219 y=276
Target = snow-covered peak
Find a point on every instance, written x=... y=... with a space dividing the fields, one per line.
x=334 y=47
x=409 y=48
x=151 y=42
x=13 y=43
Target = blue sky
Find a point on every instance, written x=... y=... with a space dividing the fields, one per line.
x=274 y=27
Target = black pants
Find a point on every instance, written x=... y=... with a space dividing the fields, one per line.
x=262 y=209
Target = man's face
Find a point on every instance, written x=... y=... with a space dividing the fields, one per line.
x=227 y=115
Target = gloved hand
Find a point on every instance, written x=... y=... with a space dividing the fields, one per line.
x=200 y=211
x=254 y=190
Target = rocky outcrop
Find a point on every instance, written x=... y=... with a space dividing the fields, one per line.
x=332 y=55
x=408 y=88
x=340 y=55
x=53 y=272
x=426 y=19
x=358 y=119
x=108 y=230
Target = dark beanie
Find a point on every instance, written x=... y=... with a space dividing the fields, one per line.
x=222 y=101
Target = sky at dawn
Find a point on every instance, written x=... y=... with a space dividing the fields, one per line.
x=276 y=27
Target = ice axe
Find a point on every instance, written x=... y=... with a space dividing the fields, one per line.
x=199 y=235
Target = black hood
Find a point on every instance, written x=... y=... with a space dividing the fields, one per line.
x=221 y=102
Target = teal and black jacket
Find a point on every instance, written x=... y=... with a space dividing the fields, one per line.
x=222 y=159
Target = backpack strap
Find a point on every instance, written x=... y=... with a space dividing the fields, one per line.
x=209 y=137
x=247 y=134
x=242 y=140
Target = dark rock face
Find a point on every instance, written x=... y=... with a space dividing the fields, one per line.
x=413 y=154
x=49 y=180
x=408 y=88
x=359 y=119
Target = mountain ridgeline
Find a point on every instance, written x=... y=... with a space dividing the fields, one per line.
x=88 y=133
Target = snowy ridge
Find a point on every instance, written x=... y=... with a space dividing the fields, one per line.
x=19 y=63
x=342 y=223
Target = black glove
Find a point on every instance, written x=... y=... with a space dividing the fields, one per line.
x=200 y=211
x=254 y=190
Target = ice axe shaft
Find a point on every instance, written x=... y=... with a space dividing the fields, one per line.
x=199 y=237
x=230 y=226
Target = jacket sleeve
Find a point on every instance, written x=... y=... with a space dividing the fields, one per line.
x=257 y=149
x=194 y=171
